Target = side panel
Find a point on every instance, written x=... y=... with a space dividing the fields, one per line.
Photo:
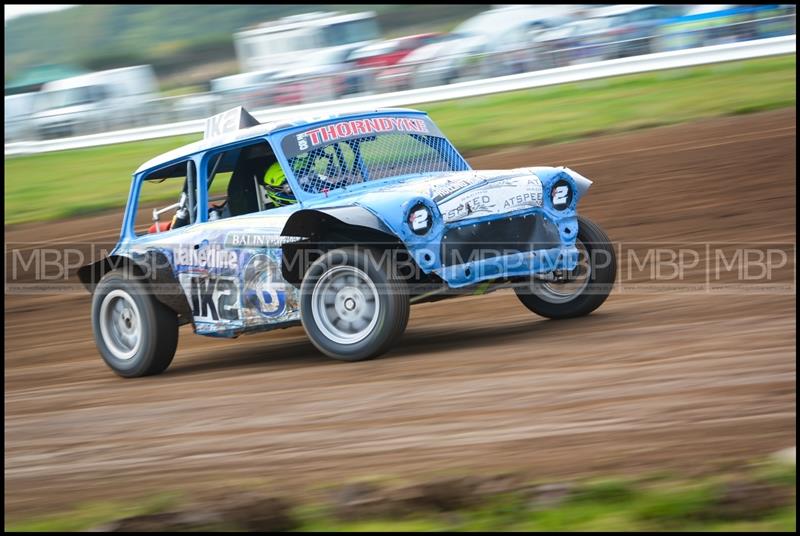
x=230 y=274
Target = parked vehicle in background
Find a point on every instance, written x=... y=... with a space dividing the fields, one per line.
x=774 y=20
x=401 y=76
x=383 y=56
x=490 y=44
x=325 y=75
x=189 y=107
x=389 y=52
x=443 y=62
x=282 y=43
x=94 y=102
x=631 y=27
x=253 y=89
x=323 y=56
x=511 y=52
x=16 y=110
x=706 y=25
x=576 y=42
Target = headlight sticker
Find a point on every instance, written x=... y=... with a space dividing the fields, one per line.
x=420 y=219
x=561 y=194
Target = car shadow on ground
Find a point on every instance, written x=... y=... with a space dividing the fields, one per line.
x=432 y=339
x=295 y=353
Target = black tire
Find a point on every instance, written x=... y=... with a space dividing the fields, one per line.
x=603 y=263
x=158 y=333
x=388 y=319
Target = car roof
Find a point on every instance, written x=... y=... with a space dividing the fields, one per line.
x=255 y=132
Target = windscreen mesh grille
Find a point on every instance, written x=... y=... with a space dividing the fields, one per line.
x=342 y=163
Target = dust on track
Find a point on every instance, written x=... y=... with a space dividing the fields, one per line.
x=649 y=382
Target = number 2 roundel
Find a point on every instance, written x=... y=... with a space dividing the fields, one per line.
x=420 y=219
x=561 y=195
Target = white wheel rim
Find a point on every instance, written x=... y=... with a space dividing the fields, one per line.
x=580 y=276
x=345 y=305
x=120 y=324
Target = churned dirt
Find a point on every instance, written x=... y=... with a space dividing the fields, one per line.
x=688 y=375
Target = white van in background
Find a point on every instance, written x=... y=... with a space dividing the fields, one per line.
x=94 y=102
x=284 y=42
x=16 y=113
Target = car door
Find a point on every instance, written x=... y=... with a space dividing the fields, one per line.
x=232 y=275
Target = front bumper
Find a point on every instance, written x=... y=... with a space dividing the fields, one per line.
x=509 y=227
x=511 y=247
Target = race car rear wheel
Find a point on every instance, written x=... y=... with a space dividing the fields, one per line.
x=587 y=286
x=352 y=306
x=135 y=333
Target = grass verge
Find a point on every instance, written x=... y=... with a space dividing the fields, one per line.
x=760 y=497
x=70 y=183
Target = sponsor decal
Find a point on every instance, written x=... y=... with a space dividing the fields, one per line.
x=206 y=257
x=212 y=298
x=440 y=191
x=318 y=136
x=524 y=199
x=473 y=204
x=250 y=239
x=498 y=197
x=265 y=291
x=358 y=127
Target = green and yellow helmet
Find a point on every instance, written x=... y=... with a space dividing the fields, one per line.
x=277 y=186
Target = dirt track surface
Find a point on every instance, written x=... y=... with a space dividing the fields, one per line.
x=651 y=381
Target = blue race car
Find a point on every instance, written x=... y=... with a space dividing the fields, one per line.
x=338 y=224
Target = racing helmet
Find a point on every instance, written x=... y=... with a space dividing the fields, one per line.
x=277 y=186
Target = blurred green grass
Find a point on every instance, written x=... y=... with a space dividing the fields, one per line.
x=95 y=513
x=72 y=183
x=668 y=503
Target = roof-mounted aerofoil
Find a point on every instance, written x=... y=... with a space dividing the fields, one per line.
x=229 y=121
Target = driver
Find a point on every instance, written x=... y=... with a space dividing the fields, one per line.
x=305 y=170
x=277 y=187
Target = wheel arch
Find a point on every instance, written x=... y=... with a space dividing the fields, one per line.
x=322 y=229
x=310 y=222
x=154 y=269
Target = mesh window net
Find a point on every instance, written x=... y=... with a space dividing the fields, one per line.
x=342 y=163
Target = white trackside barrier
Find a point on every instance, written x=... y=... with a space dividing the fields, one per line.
x=573 y=73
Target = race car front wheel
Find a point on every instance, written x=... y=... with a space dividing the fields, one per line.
x=135 y=333
x=585 y=288
x=353 y=306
